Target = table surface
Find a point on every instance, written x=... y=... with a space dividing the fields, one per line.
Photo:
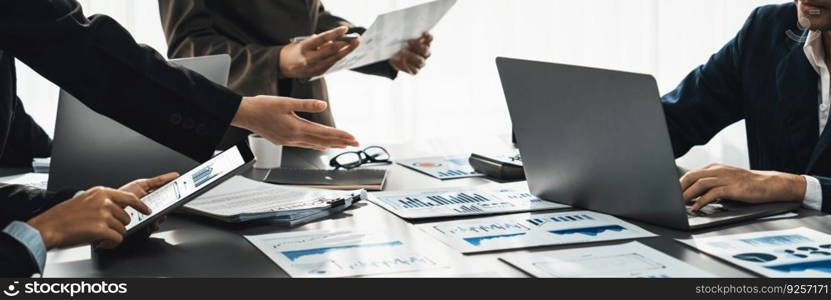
x=189 y=246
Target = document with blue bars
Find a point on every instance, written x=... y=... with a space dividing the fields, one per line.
x=469 y=201
x=793 y=253
x=532 y=230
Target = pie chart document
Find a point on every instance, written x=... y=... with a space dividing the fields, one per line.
x=793 y=253
x=532 y=230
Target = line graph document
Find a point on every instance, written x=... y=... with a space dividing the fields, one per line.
x=630 y=260
x=794 y=253
x=468 y=201
x=343 y=253
x=390 y=32
x=532 y=230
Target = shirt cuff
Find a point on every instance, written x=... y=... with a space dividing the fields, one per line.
x=30 y=238
x=813 y=194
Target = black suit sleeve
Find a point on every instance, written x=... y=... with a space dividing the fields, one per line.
x=21 y=203
x=26 y=140
x=825 y=182
x=15 y=259
x=328 y=21
x=97 y=61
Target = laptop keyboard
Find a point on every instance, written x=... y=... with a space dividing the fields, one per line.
x=706 y=211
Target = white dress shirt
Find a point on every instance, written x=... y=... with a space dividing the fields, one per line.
x=815 y=52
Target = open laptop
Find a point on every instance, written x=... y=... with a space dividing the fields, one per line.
x=90 y=149
x=598 y=139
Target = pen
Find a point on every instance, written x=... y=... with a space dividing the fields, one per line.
x=344 y=38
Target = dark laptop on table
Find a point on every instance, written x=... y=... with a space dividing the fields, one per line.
x=598 y=139
x=91 y=149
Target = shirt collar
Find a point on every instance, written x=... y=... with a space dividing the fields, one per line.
x=814 y=50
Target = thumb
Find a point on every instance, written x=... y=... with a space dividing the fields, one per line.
x=309 y=106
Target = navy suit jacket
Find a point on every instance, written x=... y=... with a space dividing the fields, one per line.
x=761 y=76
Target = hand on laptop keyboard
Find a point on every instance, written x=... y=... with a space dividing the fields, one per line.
x=706 y=186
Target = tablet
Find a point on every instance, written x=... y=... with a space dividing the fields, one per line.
x=191 y=185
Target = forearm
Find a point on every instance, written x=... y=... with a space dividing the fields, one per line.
x=105 y=68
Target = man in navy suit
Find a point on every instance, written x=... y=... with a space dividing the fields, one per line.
x=774 y=75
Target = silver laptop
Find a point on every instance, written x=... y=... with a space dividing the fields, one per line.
x=598 y=139
x=90 y=149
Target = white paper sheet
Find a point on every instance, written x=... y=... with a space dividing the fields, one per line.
x=630 y=260
x=452 y=167
x=467 y=201
x=240 y=195
x=794 y=253
x=36 y=180
x=342 y=253
x=390 y=32
x=532 y=230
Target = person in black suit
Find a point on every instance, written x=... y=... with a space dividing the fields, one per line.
x=774 y=75
x=97 y=61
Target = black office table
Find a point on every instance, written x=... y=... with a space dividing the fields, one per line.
x=189 y=246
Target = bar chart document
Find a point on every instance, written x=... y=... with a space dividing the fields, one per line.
x=442 y=167
x=484 y=200
x=390 y=32
x=630 y=260
x=343 y=253
x=794 y=253
x=532 y=230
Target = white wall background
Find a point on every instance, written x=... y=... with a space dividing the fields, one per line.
x=459 y=93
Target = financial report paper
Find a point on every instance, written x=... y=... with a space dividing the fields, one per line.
x=630 y=260
x=452 y=167
x=794 y=253
x=468 y=201
x=390 y=32
x=343 y=253
x=532 y=230
x=243 y=196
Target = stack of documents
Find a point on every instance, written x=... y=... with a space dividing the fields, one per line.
x=241 y=199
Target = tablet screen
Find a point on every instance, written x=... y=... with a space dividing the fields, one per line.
x=187 y=184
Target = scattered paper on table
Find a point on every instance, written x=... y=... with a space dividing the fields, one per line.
x=453 y=167
x=630 y=260
x=36 y=180
x=343 y=253
x=532 y=230
x=794 y=253
x=466 y=201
